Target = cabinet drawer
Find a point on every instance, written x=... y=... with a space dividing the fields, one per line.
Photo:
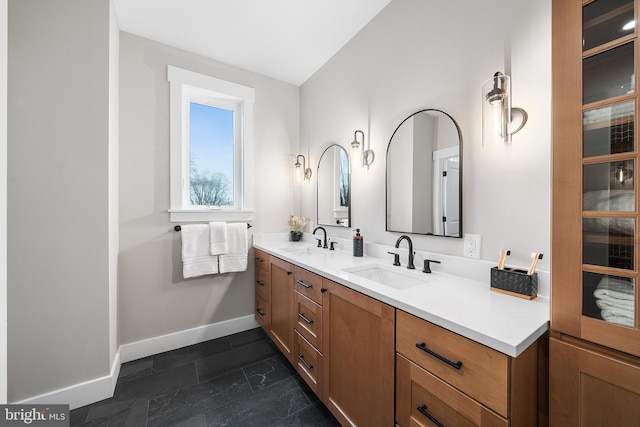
x=308 y=320
x=308 y=284
x=263 y=287
x=261 y=260
x=483 y=373
x=420 y=395
x=263 y=316
x=308 y=363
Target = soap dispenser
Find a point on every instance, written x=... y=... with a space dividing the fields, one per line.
x=358 y=244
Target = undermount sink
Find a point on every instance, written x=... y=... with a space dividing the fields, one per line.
x=393 y=277
x=303 y=250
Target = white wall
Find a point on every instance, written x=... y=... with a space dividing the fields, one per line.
x=58 y=195
x=3 y=199
x=432 y=54
x=154 y=298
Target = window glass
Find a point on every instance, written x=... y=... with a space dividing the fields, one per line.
x=609 y=298
x=609 y=74
x=211 y=155
x=606 y=20
x=609 y=129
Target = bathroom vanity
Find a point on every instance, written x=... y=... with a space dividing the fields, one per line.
x=382 y=345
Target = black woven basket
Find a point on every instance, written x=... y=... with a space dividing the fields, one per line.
x=514 y=282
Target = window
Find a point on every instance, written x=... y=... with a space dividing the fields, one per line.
x=211 y=133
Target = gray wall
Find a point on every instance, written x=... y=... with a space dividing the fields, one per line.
x=419 y=54
x=58 y=194
x=154 y=299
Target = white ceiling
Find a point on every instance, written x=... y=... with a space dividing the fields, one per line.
x=288 y=40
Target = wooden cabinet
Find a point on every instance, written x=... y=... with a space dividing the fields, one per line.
x=263 y=289
x=593 y=386
x=341 y=342
x=358 y=357
x=595 y=214
x=281 y=328
x=445 y=377
x=594 y=295
x=307 y=303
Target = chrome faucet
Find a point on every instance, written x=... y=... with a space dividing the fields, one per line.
x=408 y=239
x=325 y=236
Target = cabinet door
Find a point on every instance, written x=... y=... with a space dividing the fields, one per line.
x=588 y=388
x=358 y=357
x=595 y=208
x=281 y=329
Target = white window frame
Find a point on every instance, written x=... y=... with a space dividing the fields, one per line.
x=186 y=87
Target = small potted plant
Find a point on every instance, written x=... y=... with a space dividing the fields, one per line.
x=296 y=224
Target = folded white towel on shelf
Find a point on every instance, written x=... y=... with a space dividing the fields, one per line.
x=196 y=260
x=217 y=238
x=612 y=287
x=618 y=317
x=237 y=249
x=619 y=304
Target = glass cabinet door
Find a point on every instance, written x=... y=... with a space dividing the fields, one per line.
x=609 y=156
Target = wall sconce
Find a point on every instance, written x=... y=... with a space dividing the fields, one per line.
x=360 y=155
x=301 y=171
x=623 y=173
x=497 y=114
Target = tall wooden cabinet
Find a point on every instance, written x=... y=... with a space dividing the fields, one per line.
x=595 y=341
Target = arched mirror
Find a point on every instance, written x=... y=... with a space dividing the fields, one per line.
x=424 y=175
x=334 y=195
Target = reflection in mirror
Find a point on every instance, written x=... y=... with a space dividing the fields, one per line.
x=424 y=175
x=334 y=196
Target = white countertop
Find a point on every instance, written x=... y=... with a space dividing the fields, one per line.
x=460 y=304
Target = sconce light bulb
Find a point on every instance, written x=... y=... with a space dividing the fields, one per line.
x=356 y=149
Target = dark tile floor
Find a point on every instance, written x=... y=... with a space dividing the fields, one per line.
x=239 y=380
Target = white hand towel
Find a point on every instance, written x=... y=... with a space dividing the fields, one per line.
x=196 y=260
x=217 y=238
x=237 y=249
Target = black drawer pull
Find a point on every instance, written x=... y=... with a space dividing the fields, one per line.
x=304 y=362
x=259 y=260
x=423 y=410
x=306 y=285
x=260 y=282
x=260 y=312
x=422 y=346
x=302 y=316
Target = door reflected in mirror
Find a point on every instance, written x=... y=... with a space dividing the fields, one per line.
x=424 y=175
x=334 y=195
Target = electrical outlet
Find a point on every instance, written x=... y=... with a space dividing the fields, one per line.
x=472 y=245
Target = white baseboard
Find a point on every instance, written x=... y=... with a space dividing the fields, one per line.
x=81 y=394
x=162 y=343
x=97 y=389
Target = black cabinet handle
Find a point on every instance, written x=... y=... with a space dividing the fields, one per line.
x=300 y=282
x=260 y=312
x=422 y=346
x=423 y=410
x=304 y=362
x=289 y=273
x=323 y=290
x=260 y=283
x=259 y=260
x=302 y=316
